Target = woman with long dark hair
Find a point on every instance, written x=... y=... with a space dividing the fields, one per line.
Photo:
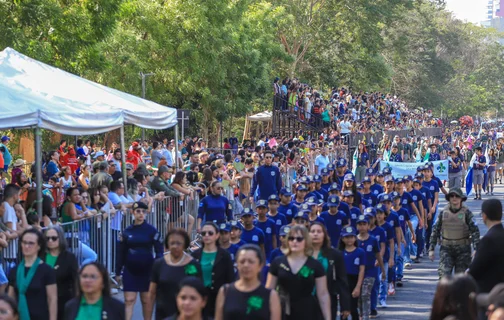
x=453 y=297
x=64 y=264
x=247 y=298
x=214 y=207
x=94 y=300
x=33 y=282
x=334 y=266
x=192 y=298
x=216 y=264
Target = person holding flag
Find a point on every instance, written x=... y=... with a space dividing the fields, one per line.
x=478 y=172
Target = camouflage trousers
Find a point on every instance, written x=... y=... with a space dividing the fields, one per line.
x=365 y=298
x=456 y=257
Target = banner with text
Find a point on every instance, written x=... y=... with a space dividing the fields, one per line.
x=401 y=169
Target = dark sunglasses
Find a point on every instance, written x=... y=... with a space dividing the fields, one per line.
x=298 y=239
x=210 y=233
x=53 y=238
x=454 y=196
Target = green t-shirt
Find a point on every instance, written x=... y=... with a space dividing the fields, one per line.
x=90 y=311
x=207 y=262
x=50 y=259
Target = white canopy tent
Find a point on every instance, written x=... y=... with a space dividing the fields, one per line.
x=36 y=95
x=265 y=116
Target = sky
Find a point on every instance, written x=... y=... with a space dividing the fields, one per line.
x=470 y=10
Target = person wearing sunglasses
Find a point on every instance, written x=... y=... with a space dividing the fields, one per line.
x=214 y=207
x=296 y=275
x=216 y=264
x=94 y=300
x=64 y=264
x=135 y=259
x=267 y=179
x=455 y=230
x=168 y=272
x=35 y=290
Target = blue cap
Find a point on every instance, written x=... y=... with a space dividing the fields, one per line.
x=419 y=175
x=398 y=180
x=262 y=203
x=341 y=163
x=304 y=180
x=366 y=179
x=285 y=192
x=370 y=211
x=348 y=193
x=324 y=172
x=246 y=212
x=417 y=181
x=317 y=178
x=419 y=168
x=362 y=218
x=380 y=208
x=273 y=197
x=348 y=177
x=330 y=167
x=430 y=164
x=334 y=186
x=394 y=195
x=348 y=231
x=333 y=201
x=370 y=172
x=301 y=215
x=427 y=167
x=386 y=171
x=408 y=178
x=301 y=188
x=225 y=227
x=284 y=230
x=389 y=178
x=360 y=186
x=235 y=224
x=5 y=138
x=380 y=174
x=385 y=197
x=306 y=206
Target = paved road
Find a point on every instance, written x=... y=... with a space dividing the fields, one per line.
x=413 y=301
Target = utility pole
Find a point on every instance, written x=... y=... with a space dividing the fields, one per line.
x=144 y=75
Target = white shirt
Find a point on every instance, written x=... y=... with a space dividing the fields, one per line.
x=10 y=216
x=88 y=156
x=345 y=127
x=321 y=162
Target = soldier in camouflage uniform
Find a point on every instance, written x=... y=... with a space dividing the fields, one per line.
x=454 y=229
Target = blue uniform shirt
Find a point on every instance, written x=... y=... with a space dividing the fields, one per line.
x=334 y=224
x=406 y=201
x=376 y=189
x=393 y=220
x=362 y=159
x=371 y=247
x=324 y=193
x=354 y=214
x=452 y=169
x=277 y=252
x=253 y=236
x=268 y=180
x=215 y=208
x=389 y=235
x=416 y=195
x=404 y=217
x=369 y=199
x=289 y=211
x=426 y=197
x=480 y=159
x=269 y=229
x=353 y=260
x=434 y=157
x=395 y=158
x=280 y=220
x=233 y=248
x=433 y=188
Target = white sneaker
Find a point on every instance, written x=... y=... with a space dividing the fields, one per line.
x=407 y=265
x=383 y=304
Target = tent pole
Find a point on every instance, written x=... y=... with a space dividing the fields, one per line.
x=38 y=169
x=123 y=159
x=175 y=160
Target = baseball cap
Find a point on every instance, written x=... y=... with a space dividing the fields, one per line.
x=366 y=180
x=394 y=195
x=140 y=205
x=324 y=172
x=389 y=178
x=370 y=172
x=348 y=193
x=333 y=201
x=129 y=166
x=495 y=297
x=330 y=167
x=317 y=178
x=285 y=192
x=235 y=224
x=360 y=186
x=301 y=188
x=306 y=206
x=386 y=171
x=398 y=180
x=301 y=215
x=284 y=230
x=341 y=163
x=163 y=169
x=380 y=208
x=262 y=204
x=273 y=197
x=5 y=138
x=246 y=212
x=419 y=169
x=417 y=181
x=370 y=211
x=348 y=231
x=408 y=178
x=348 y=177
x=334 y=186
x=99 y=154
x=379 y=174
x=304 y=180
x=419 y=175
x=225 y=227
x=362 y=218
x=385 y=197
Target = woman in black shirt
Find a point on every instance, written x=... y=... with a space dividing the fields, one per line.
x=33 y=282
x=247 y=298
x=64 y=264
x=296 y=275
x=168 y=271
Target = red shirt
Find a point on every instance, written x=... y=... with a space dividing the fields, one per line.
x=134 y=158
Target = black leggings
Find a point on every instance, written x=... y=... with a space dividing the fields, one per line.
x=354 y=302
